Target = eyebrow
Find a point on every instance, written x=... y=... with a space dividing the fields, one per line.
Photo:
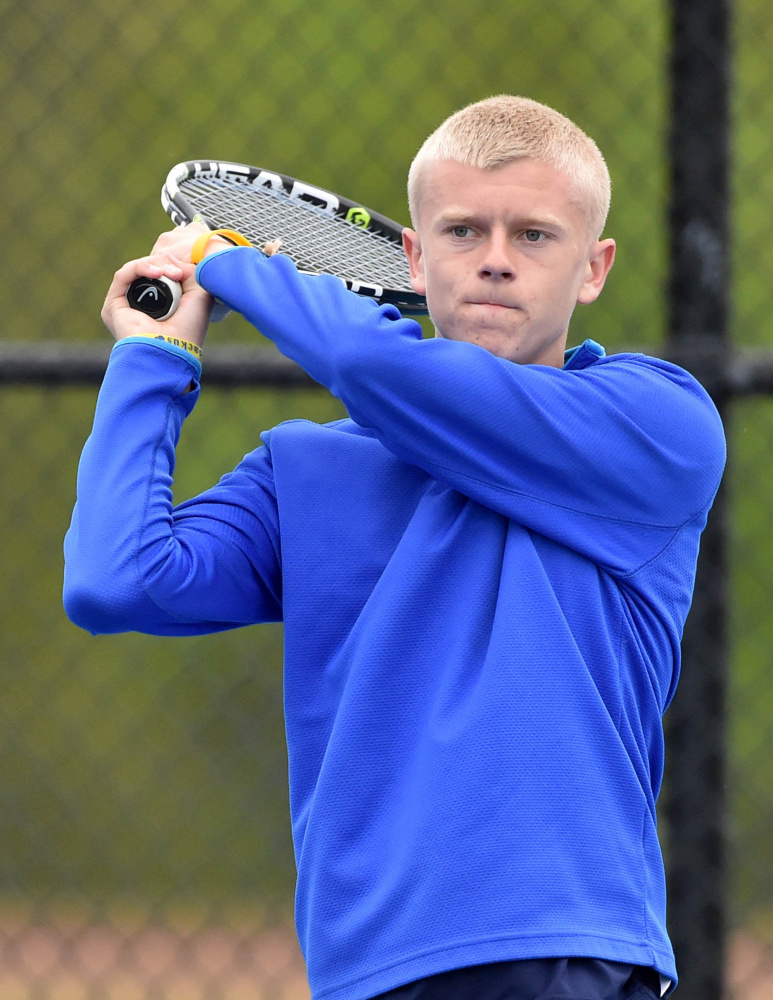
x=522 y=222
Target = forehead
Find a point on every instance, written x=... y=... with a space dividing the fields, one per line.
x=522 y=187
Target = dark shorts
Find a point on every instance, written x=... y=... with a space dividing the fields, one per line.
x=536 y=979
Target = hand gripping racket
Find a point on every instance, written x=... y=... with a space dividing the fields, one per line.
x=321 y=232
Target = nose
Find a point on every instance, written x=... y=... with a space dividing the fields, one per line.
x=497 y=261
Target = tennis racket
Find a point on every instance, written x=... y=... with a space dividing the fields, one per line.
x=322 y=232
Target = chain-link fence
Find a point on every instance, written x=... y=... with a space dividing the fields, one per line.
x=144 y=835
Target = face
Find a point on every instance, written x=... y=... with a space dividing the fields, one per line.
x=503 y=256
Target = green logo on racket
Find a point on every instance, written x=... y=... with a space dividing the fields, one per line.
x=358 y=217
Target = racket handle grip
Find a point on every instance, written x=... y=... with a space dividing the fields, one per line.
x=156 y=297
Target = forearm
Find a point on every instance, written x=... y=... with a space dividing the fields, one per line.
x=128 y=564
x=127 y=462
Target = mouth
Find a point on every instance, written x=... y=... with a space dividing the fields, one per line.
x=491 y=305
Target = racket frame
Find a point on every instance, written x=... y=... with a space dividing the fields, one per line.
x=181 y=211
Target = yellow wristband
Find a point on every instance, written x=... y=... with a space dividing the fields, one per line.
x=197 y=253
x=193 y=349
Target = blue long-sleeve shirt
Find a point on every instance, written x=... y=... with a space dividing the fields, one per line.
x=483 y=575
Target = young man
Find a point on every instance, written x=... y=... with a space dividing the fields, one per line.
x=483 y=575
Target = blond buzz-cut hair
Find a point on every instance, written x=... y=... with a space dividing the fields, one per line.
x=498 y=130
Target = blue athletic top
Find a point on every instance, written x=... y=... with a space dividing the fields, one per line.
x=483 y=576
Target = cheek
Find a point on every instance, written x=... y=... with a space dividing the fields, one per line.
x=559 y=289
x=439 y=278
x=431 y=282
x=441 y=301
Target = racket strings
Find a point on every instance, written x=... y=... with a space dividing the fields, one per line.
x=313 y=239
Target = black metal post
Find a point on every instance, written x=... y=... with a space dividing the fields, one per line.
x=695 y=807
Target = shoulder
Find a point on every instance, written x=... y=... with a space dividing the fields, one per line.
x=667 y=402
x=653 y=378
x=298 y=427
x=297 y=437
x=646 y=366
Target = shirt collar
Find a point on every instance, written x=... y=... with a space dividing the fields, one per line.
x=586 y=354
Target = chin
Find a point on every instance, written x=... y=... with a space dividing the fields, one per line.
x=493 y=341
x=500 y=344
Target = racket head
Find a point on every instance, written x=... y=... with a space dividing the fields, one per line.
x=322 y=232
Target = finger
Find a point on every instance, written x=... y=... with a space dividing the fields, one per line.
x=180 y=240
x=153 y=266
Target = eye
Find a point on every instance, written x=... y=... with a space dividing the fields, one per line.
x=533 y=236
x=461 y=232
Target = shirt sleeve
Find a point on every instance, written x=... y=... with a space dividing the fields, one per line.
x=627 y=441
x=135 y=562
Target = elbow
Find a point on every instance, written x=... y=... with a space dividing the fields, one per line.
x=95 y=609
x=99 y=594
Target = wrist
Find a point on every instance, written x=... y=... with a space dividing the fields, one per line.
x=212 y=242
x=188 y=346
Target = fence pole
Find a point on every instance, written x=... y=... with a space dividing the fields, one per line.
x=695 y=806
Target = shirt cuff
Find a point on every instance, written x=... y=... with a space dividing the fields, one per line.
x=163 y=345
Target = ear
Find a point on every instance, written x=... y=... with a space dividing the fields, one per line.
x=600 y=261
x=412 y=247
